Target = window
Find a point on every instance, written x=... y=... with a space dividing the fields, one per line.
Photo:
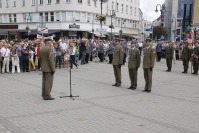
x=80 y=1
x=69 y=16
x=83 y=17
x=95 y=3
x=46 y=16
x=112 y=6
x=57 y=16
x=14 y=3
x=7 y=3
x=131 y=10
x=41 y=2
x=10 y=18
x=0 y=3
x=57 y=1
x=15 y=18
x=122 y=7
x=77 y=16
x=127 y=9
x=89 y=2
x=1 y=18
x=49 y=2
x=64 y=16
x=41 y=17
x=23 y=3
x=52 y=16
x=33 y=2
x=135 y=11
x=68 y=1
x=117 y=7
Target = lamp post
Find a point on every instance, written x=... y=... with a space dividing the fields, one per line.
x=122 y=22
x=27 y=27
x=112 y=14
x=93 y=26
x=173 y=20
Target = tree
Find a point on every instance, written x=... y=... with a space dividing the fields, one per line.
x=158 y=31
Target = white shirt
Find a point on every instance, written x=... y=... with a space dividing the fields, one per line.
x=31 y=55
x=72 y=52
x=5 y=52
x=63 y=46
x=140 y=44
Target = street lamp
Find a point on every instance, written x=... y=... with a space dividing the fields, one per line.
x=27 y=27
x=173 y=20
x=162 y=7
x=112 y=14
x=122 y=23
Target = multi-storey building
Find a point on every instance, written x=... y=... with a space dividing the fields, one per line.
x=57 y=15
x=178 y=16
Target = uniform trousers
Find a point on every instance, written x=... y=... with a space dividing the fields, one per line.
x=148 y=78
x=133 y=76
x=169 y=62
x=195 y=65
x=47 y=83
x=117 y=73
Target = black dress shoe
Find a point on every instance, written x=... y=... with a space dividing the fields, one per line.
x=148 y=91
x=134 y=88
x=167 y=70
x=118 y=85
x=131 y=87
x=114 y=85
x=144 y=90
x=49 y=98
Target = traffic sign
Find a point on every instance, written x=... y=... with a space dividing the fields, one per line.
x=42 y=30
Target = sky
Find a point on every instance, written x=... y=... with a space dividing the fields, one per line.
x=148 y=8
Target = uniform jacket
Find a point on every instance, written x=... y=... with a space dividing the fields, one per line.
x=118 y=55
x=169 y=52
x=149 y=57
x=186 y=53
x=134 y=58
x=47 y=59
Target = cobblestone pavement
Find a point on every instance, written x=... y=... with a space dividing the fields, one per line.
x=171 y=107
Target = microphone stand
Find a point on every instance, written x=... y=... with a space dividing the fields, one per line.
x=71 y=95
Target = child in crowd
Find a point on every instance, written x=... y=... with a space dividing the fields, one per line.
x=66 y=59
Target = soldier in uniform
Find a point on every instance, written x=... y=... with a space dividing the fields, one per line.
x=117 y=62
x=195 y=59
x=48 y=69
x=169 y=56
x=148 y=64
x=101 y=51
x=186 y=54
x=133 y=64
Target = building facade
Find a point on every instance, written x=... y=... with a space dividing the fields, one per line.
x=196 y=18
x=58 y=15
x=178 y=16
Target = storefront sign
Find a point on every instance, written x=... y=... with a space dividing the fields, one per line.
x=74 y=26
x=8 y=26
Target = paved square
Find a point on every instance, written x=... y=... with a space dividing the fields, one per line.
x=172 y=107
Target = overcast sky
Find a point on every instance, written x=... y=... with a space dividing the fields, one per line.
x=148 y=8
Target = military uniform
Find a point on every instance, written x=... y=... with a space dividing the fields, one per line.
x=125 y=49
x=117 y=62
x=195 y=59
x=148 y=64
x=48 y=69
x=133 y=65
x=169 y=57
x=186 y=54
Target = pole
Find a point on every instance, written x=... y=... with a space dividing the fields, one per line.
x=101 y=12
x=111 y=28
